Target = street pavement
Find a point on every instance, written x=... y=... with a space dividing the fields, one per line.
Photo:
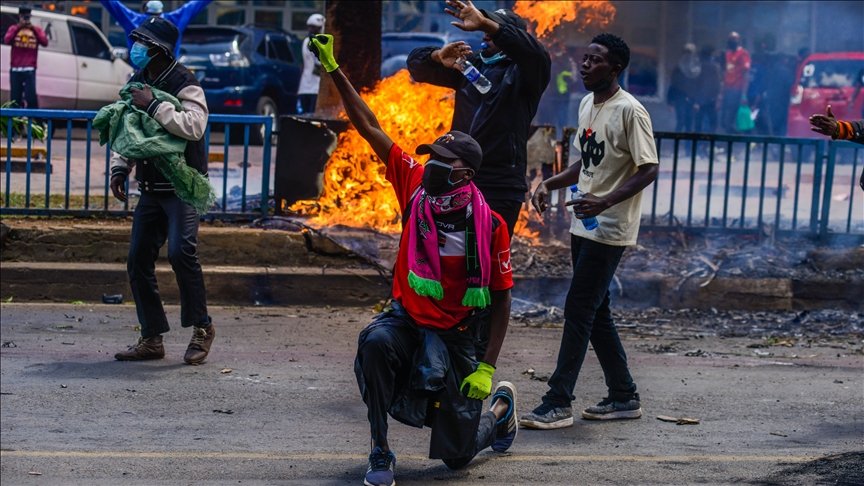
x=277 y=403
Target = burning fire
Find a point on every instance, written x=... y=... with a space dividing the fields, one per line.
x=549 y=15
x=355 y=191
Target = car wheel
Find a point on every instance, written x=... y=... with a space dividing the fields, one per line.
x=266 y=107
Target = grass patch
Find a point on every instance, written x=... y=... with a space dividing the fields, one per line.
x=18 y=200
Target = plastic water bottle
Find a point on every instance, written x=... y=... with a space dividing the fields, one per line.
x=479 y=81
x=589 y=223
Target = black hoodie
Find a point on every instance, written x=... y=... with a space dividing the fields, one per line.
x=499 y=120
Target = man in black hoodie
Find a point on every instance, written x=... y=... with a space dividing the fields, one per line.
x=518 y=67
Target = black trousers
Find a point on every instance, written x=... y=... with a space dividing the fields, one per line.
x=508 y=209
x=22 y=88
x=159 y=218
x=385 y=361
x=587 y=317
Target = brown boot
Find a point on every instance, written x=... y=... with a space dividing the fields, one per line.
x=144 y=349
x=199 y=346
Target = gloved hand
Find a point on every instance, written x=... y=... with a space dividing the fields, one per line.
x=478 y=385
x=322 y=46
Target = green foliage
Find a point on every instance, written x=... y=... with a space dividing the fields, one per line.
x=19 y=125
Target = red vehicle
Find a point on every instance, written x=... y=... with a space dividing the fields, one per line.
x=831 y=78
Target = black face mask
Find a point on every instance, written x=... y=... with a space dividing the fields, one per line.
x=732 y=45
x=436 y=177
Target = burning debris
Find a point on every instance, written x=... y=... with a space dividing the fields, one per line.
x=546 y=16
x=355 y=191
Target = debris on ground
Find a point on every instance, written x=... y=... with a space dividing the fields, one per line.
x=532 y=374
x=679 y=420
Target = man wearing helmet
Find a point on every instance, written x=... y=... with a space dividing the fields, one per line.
x=311 y=77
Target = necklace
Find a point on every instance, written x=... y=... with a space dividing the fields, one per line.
x=593 y=116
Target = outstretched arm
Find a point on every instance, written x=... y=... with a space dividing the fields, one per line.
x=183 y=15
x=126 y=17
x=359 y=113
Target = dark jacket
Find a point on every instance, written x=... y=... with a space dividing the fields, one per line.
x=189 y=125
x=499 y=120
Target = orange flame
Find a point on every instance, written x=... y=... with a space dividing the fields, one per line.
x=355 y=191
x=549 y=15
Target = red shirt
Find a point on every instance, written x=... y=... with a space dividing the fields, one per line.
x=25 y=43
x=406 y=175
x=737 y=66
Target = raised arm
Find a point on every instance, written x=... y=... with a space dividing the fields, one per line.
x=126 y=17
x=359 y=113
x=435 y=66
x=183 y=15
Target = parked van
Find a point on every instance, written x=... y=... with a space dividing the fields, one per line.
x=831 y=78
x=78 y=69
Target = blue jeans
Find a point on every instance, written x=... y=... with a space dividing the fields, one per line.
x=22 y=87
x=587 y=317
x=157 y=218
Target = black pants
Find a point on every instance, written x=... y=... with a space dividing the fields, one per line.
x=587 y=317
x=706 y=117
x=729 y=109
x=22 y=87
x=157 y=218
x=508 y=209
x=385 y=361
x=307 y=103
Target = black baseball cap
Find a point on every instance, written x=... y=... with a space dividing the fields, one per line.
x=158 y=32
x=506 y=16
x=455 y=145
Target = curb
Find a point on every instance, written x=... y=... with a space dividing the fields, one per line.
x=285 y=286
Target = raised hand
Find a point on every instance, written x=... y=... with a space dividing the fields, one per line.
x=825 y=124
x=322 y=46
x=470 y=18
x=448 y=54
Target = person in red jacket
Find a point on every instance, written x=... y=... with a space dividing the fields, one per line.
x=25 y=39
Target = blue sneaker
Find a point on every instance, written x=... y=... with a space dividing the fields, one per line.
x=382 y=468
x=506 y=427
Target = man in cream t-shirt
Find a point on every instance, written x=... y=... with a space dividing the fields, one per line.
x=619 y=159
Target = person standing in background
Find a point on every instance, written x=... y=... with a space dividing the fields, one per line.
x=131 y=20
x=25 y=39
x=683 y=87
x=708 y=86
x=311 y=77
x=735 y=80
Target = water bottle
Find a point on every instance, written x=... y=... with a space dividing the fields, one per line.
x=479 y=81
x=589 y=223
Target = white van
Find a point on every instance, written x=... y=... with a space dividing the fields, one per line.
x=77 y=71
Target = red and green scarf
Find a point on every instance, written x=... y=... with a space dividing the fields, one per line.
x=424 y=259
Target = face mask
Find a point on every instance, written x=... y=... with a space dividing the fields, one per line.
x=493 y=59
x=436 y=177
x=732 y=45
x=138 y=55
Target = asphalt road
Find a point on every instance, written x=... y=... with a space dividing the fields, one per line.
x=277 y=404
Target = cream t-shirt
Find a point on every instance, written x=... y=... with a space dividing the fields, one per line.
x=615 y=138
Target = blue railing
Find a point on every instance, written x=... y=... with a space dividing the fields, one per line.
x=241 y=198
x=710 y=182
x=750 y=184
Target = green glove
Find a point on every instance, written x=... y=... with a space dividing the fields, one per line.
x=478 y=385
x=322 y=46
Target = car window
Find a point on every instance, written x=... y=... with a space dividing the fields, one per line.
x=262 y=48
x=88 y=42
x=280 y=50
x=832 y=73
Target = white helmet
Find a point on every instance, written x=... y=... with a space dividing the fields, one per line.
x=315 y=20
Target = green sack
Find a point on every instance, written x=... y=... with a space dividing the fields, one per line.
x=744 y=119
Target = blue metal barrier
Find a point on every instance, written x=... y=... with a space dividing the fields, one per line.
x=712 y=182
x=232 y=202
